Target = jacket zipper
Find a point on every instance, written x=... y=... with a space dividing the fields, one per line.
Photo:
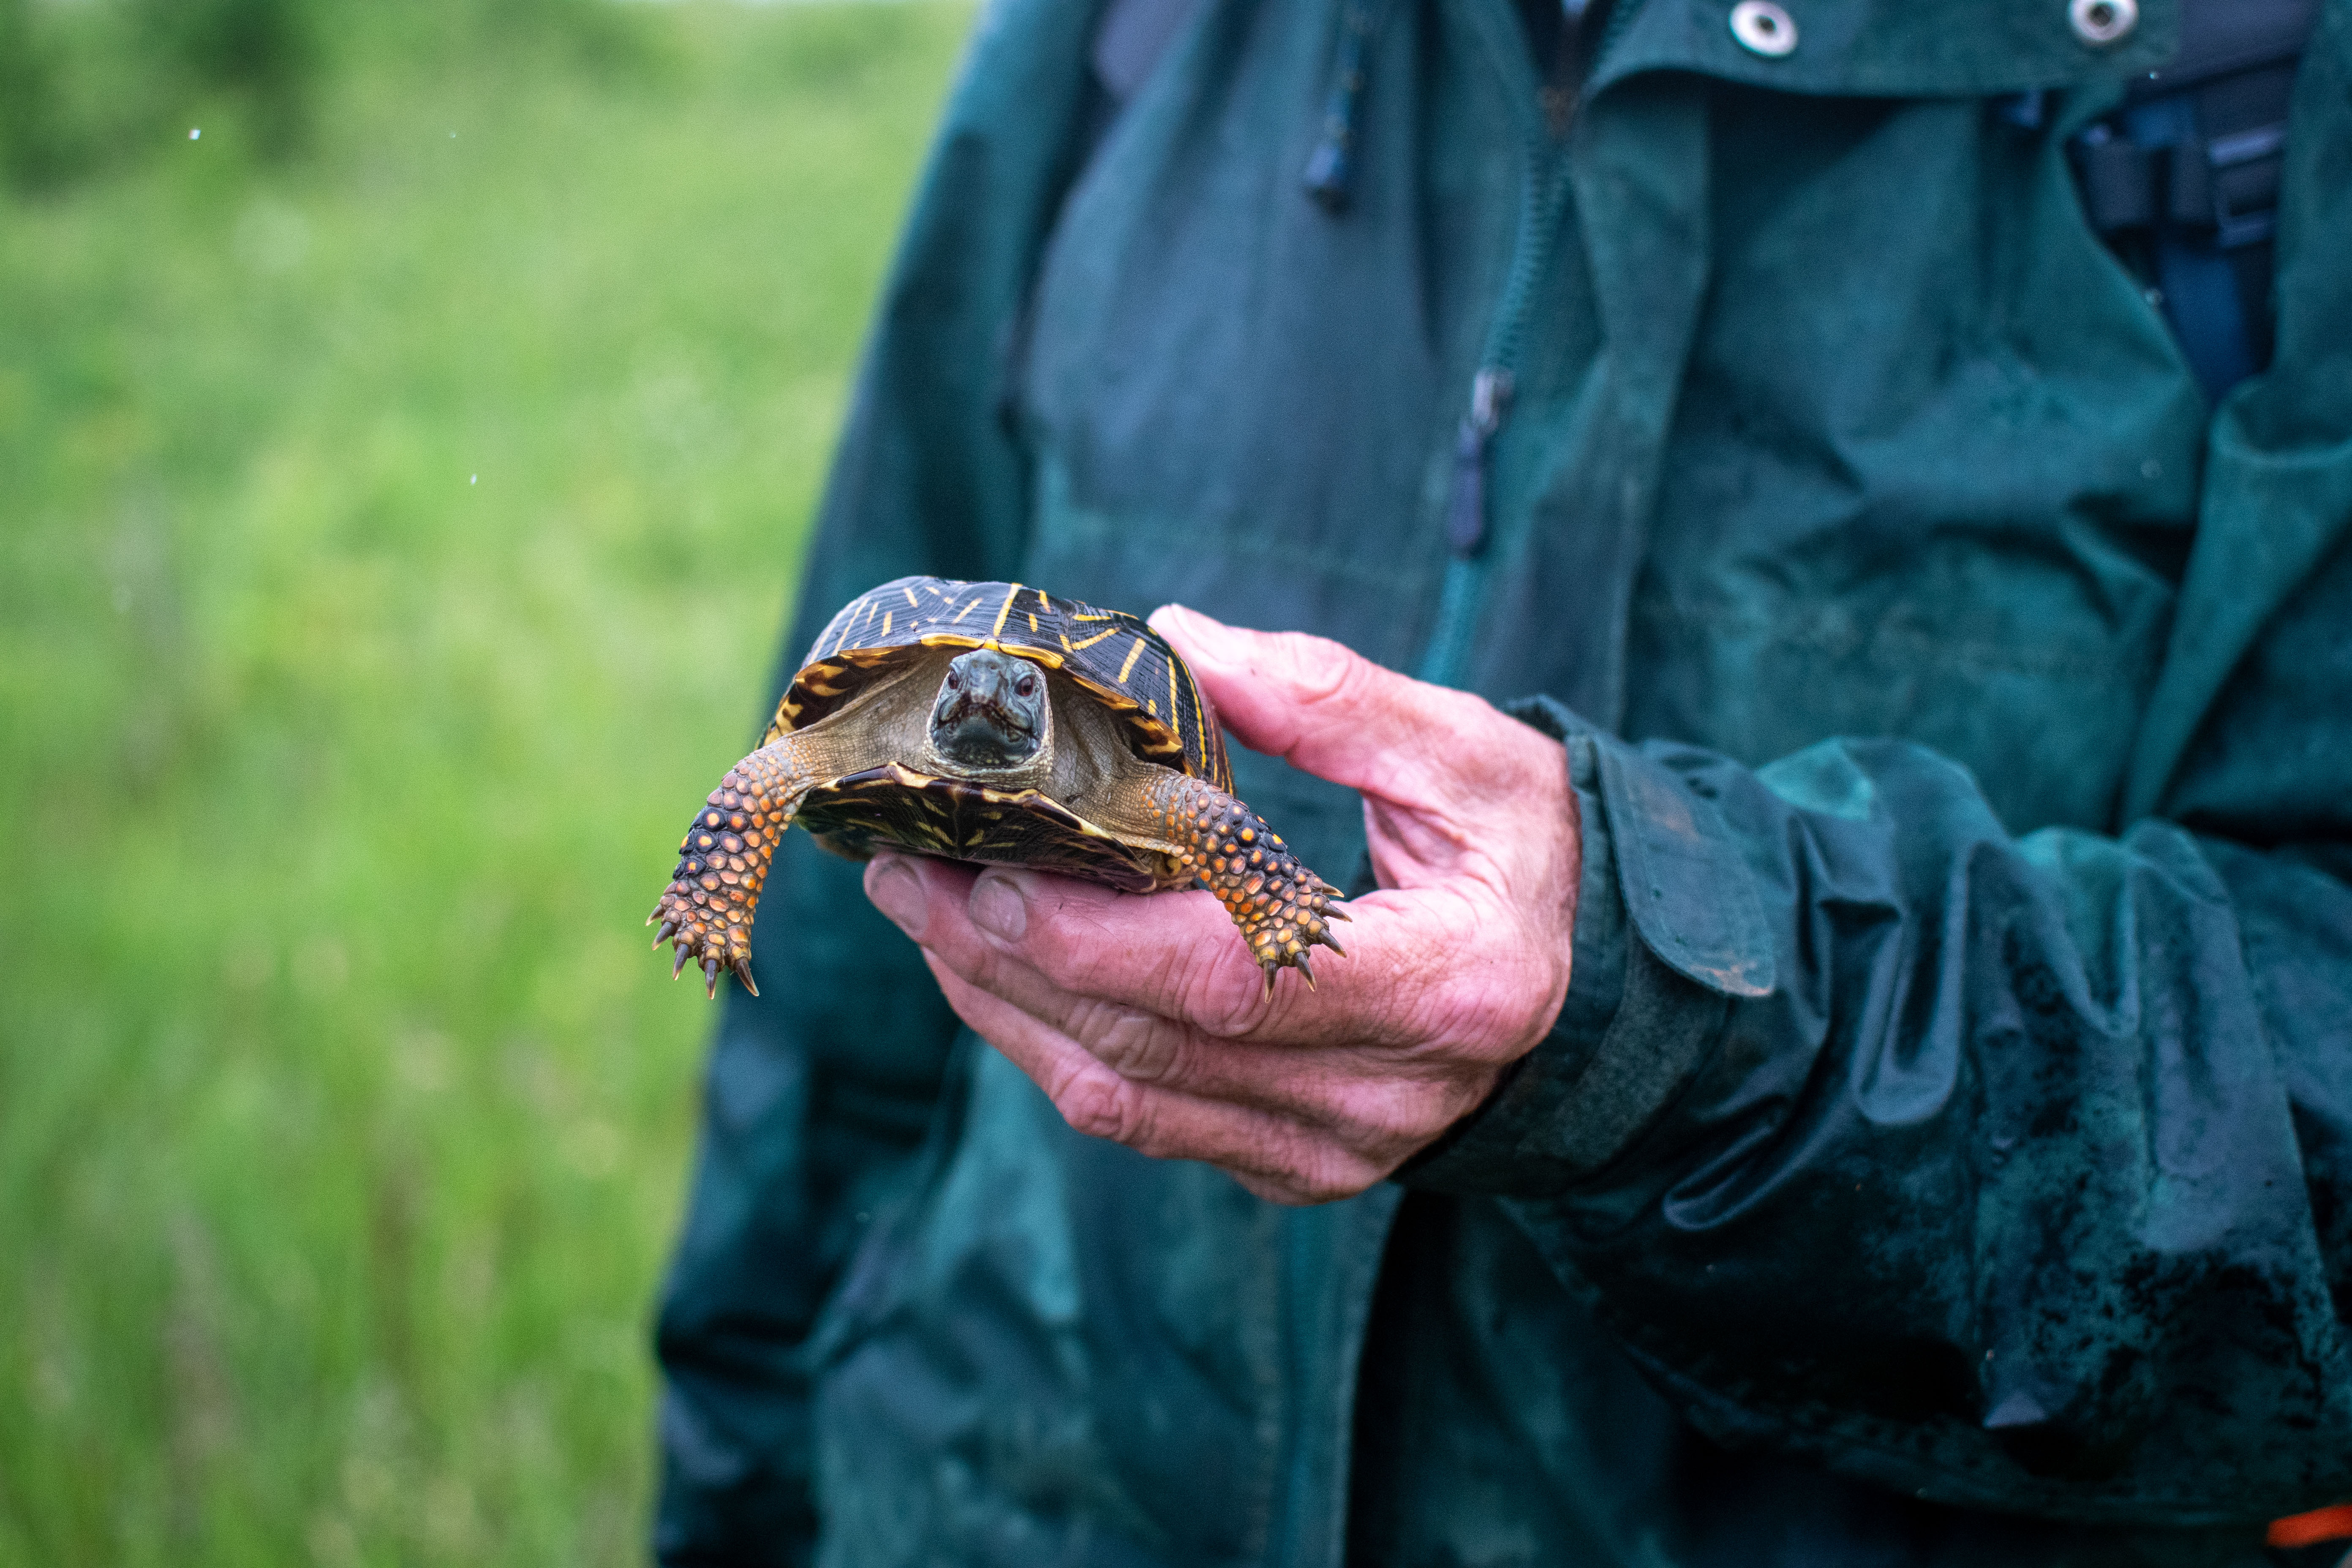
x=1543 y=195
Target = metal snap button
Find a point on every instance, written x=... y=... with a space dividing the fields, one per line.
x=2099 y=22
x=1763 y=28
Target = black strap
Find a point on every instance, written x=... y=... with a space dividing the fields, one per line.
x=2182 y=180
x=2221 y=37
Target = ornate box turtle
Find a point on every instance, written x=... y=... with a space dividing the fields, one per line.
x=991 y=722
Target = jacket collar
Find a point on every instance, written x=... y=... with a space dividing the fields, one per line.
x=1891 y=48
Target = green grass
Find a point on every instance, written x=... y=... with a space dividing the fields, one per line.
x=393 y=544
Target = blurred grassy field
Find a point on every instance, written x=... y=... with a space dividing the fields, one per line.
x=393 y=544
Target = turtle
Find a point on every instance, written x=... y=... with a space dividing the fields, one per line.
x=992 y=723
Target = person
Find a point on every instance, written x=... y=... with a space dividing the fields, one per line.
x=1844 y=1054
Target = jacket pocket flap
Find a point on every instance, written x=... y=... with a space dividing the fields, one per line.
x=1690 y=896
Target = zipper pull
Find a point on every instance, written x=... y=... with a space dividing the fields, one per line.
x=1331 y=167
x=1466 y=504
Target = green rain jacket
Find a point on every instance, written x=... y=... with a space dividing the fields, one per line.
x=1944 y=1153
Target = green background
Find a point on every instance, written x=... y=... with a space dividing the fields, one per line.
x=400 y=489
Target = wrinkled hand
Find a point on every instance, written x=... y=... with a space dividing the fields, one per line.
x=1143 y=1017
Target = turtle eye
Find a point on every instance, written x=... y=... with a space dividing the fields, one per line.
x=955 y=681
x=1026 y=686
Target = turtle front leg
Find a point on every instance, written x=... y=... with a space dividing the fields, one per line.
x=705 y=912
x=1282 y=908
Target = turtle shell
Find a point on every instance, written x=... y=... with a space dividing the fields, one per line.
x=1113 y=656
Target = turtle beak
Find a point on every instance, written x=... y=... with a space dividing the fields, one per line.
x=970 y=720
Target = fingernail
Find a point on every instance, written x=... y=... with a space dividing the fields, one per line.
x=999 y=907
x=897 y=891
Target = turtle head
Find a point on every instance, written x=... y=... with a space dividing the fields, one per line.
x=990 y=712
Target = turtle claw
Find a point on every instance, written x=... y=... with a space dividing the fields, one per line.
x=1282 y=907
x=691 y=947
x=698 y=938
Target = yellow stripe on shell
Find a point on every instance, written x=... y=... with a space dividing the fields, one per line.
x=1111 y=697
x=1004 y=610
x=1132 y=654
x=1200 y=713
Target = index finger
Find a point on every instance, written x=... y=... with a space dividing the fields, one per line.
x=1325 y=708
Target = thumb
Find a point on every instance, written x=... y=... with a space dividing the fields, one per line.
x=1325 y=708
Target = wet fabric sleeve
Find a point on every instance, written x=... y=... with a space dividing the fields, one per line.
x=2012 y=1171
x=819 y=1092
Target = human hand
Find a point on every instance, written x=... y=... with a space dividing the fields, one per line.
x=1144 y=1020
